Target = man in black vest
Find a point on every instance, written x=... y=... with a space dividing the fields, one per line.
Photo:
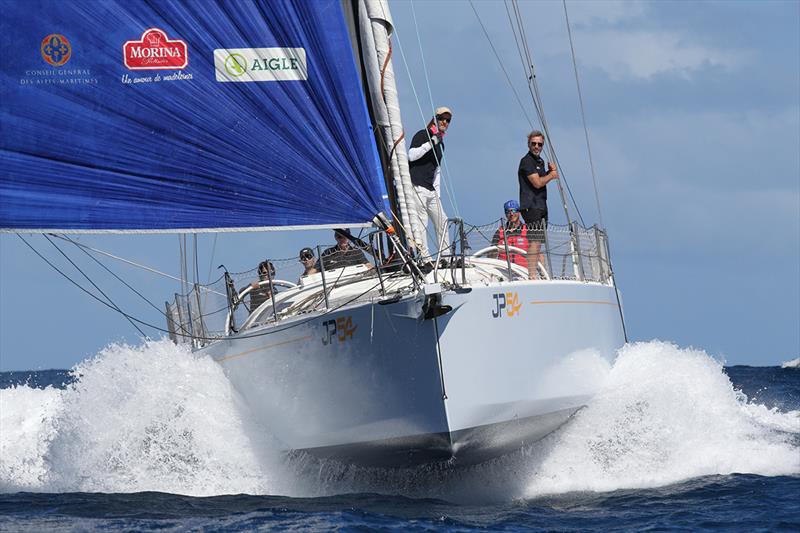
x=533 y=180
x=424 y=163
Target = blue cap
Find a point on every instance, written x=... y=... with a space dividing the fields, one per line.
x=511 y=204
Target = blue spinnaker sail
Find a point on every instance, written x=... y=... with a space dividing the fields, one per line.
x=133 y=115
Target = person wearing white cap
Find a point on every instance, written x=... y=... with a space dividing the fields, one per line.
x=424 y=163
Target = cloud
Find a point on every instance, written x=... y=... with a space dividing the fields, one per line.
x=703 y=183
x=642 y=55
x=609 y=12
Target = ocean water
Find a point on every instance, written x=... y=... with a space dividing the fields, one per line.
x=153 y=438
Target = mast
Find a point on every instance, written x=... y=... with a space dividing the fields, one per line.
x=351 y=17
x=372 y=44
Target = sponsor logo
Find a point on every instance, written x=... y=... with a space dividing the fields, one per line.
x=154 y=51
x=508 y=301
x=235 y=65
x=260 y=64
x=56 y=49
x=341 y=328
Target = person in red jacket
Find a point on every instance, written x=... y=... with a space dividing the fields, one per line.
x=515 y=233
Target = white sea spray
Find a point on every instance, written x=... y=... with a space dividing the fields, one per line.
x=27 y=427
x=158 y=418
x=147 y=418
x=665 y=415
x=792 y=363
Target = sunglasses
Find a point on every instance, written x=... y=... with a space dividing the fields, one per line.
x=536 y=144
x=512 y=211
x=306 y=257
x=443 y=118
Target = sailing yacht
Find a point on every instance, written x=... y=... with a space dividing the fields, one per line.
x=207 y=116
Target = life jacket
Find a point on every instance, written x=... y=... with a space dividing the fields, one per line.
x=516 y=239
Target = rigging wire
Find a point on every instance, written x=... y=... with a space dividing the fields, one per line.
x=162 y=330
x=523 y=52
x=502 y=66
x=182 y=259
x=536 y=102
x=117 y=309
x=196 y=266
x=426 y=231
x=132 y=263
x=524 y=55
x=84 y=249
x=533 y=87
x=107 y=297
x=583 y=115
x=451 y=195
x=211 y=261
x=78 y=285
x=519 y=41
x=93 y=258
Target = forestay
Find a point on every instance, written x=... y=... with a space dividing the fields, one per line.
x=182 y=116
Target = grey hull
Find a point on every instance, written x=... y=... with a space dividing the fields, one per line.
x=390 y=387
x=459 y=448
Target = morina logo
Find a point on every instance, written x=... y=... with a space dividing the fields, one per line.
x=260 y=64
x=154 y=51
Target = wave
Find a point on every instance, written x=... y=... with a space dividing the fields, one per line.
x=158 y=418
x=148 y=418
x=794 y=363
x=666 y=415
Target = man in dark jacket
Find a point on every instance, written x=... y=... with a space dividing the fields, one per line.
x=533 y=180
x=424 y=163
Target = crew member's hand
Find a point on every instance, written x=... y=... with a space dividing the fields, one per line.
x=553 y=171
x=436 y=138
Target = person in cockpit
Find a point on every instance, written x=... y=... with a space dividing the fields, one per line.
x=309 y=263
x=345 y=253
x=261 y=292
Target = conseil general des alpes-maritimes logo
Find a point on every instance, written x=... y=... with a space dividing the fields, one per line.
x=56 y=49
x=154 y=51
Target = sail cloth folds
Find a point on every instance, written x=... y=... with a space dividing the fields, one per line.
x=168 y=115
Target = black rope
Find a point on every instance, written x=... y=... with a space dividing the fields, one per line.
x=530 y=76
x=533 y=88
x=107 y=297
x=143 y=297
x=500 y=62
x=86 y=290
x=157 y=328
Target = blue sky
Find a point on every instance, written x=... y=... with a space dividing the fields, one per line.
x=694 y=117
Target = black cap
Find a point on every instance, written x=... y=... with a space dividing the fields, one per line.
x=306 y=252
x=343 y=232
